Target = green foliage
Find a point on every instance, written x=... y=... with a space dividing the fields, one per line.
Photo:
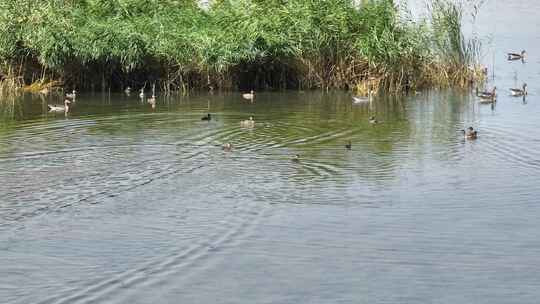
x=448 y=39
x=324 y=42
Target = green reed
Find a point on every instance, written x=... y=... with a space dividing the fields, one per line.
x=328 y=44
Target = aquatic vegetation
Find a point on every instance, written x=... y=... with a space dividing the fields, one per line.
x=234 y=44
x=456 y=58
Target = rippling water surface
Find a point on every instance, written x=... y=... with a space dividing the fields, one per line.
x=119 y=203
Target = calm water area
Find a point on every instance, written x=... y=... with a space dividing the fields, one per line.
x=121 y=203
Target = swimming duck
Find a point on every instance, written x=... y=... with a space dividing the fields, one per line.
x=141 y=94
x=488 y=96
x=296 y=158
x=71 y=95
x=348 y=145
x=519 y=92
x=152 y=101
x=372 y=120
x=60 y=108
x=363 y=99
x=208 y=117
x=127 y=91
x=470 y=133
x=227 y=147
x=249 y=123
x=516 y=56
x=249 y=96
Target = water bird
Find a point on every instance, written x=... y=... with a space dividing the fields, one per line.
x=519 y=92
x=71 y=95
x=208 y=117
x=249 y=96
x=470 y=133
x=248 y=123
x=127 y=91
x=152 y=101
x=227 y=147
x=488 y=96
x=516 y=56
x=484 y=71
x=141 y=94
x=348 y=145
x=363 y=99
x=59 y=108
x=372 y=120
x=296 y=158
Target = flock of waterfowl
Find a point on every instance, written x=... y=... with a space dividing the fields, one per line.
x=489 y=96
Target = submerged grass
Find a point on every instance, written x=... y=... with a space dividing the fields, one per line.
x=234 y=44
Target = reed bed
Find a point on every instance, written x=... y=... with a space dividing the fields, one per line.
x=233 y=44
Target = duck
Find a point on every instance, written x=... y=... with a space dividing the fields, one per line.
x=208 y=117
x=363 y=99
x=227 y=147
x=372 y=120
x=249 y=123
x=296 y=158
x=516 y=56
x=141 y=94
x=72 y=95
x=60 y=108
x=152 y=101
x=348 y=145
x=470 y=133
x=127 y=91
x=488 y=96
x=519 y=92
x=249 y=96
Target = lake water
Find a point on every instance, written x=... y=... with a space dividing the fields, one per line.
x=119 y=203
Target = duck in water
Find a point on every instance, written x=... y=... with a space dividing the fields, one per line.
x=470 y=133
x=72 y=95
x=249 y=123
x=348 y=145
x=249 y=96
x=517 y=56
x=488 y=96
x=208 y=117
x=60 y=108
x=227 y=147
x=296 y=158
x=519 y=92
x=363 y=99
x=372 y=120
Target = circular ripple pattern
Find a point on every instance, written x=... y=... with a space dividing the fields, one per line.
x=116 y=200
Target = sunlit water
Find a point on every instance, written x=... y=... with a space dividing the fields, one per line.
x=119 y=203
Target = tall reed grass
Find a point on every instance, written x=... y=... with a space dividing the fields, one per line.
x=234 y=44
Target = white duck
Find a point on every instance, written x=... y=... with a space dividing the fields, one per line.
x=152 y=101
x=363 y=99
x=249 y=123
x=60 y=108
x=249 y=96
x=72 y=95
